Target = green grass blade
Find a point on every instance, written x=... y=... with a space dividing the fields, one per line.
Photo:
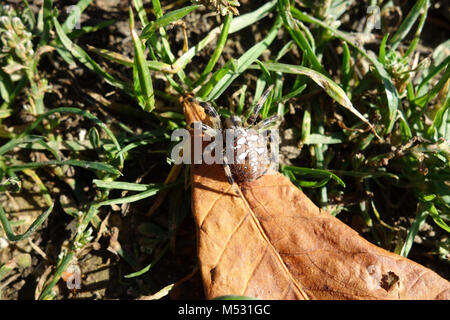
x=298 y=37
x=125 y=185
x=313 y=172
x=312 y=184
x=85 y=59
x=144 y=79
x=38 y=182
x=285 y=49
x=12 y=94
x=294 y=93
x=28 y=13
x=437 y=218
x=346 y=67
x=78 y=111
x=164 y=45
x=74 y=15
x=215 y=78
x=61 y=268
x=141 y=12
x=123 y=60
x=330 y=87
x=420 y=219
x=244 y=62
x=438 y=119
x=96 y=166
x=423 y=18
x=47 y=15
x=135 y=197
x=36 y=224
x=166 y=19
x=377 y=215
x=366 y=175
x=431 y=74
x=306 y=125
x=157 y=7
x=407 y=23
x=144 y=270
x=27 y=140
x=382 y=51
x=217 y=51
x=241 y=103
x=89 y=29
x=6 y=86
x=423 y=100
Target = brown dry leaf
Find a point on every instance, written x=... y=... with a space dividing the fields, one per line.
x=276 y=244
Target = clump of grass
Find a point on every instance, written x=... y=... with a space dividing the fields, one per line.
x=20 y=59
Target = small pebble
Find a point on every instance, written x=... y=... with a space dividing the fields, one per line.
x=3 y=243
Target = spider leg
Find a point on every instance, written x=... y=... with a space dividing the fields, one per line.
x=252 y=118
x=204 y=128
x=274 y=142
x=227 y=169
x=233 y=122
x=212 y=113
x=265 y=123
x=230 y=178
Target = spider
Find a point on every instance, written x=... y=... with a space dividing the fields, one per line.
x=250 y=158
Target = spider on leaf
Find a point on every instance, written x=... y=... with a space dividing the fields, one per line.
x=250 y=157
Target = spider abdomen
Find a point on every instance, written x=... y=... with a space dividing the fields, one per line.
x=250 y=155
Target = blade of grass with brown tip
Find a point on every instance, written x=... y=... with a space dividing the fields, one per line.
x=392 y=97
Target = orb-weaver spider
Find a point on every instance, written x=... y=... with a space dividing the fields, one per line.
x=250 y=156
